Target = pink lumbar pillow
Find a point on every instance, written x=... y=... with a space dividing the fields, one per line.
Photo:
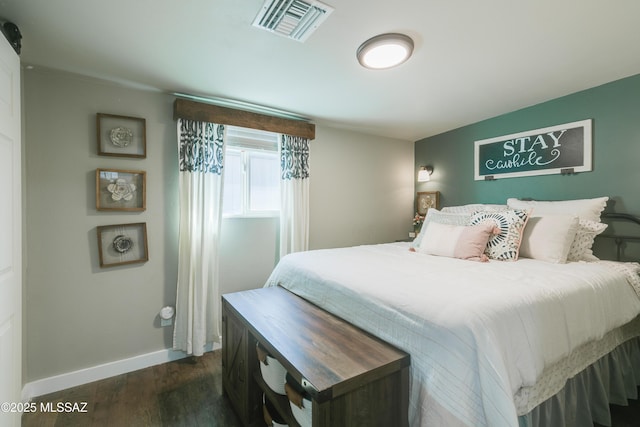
x=458 y=241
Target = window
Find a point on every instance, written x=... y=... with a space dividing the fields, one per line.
x=252 y=173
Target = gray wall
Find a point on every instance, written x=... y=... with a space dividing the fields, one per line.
x=614 y=108
x=78 y=315
x=361 y=191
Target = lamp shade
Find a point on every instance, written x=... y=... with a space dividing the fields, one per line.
x=424 y=174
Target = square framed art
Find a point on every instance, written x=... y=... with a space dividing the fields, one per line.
x=121 y=136
x=121 y=244
x=121 y=190
x=427 y=200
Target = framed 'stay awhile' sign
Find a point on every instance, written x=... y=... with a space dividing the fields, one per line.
x=545 y=151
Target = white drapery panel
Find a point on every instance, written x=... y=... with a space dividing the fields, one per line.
x=201 y=159
x=294 y=194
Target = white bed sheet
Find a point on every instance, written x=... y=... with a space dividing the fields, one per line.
x=476 y=332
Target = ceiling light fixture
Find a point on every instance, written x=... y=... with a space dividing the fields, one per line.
x=385 y=51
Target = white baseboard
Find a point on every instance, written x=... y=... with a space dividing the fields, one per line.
x=100 y=372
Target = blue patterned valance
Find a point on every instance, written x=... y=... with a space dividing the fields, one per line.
x=201 y=147
x=294 y=157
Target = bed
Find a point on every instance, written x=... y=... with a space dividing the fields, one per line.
x=526 y=341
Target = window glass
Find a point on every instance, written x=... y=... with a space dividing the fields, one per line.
x=264 y=183
x=251 y=173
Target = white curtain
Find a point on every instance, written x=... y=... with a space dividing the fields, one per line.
x=201 y=158
x=294 y=194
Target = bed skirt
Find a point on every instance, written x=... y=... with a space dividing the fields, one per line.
x=585 y=398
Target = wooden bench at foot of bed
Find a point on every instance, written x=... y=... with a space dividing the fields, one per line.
x=352 y=377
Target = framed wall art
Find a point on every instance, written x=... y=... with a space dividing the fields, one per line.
x=122 y=244
x=121 y=190
x=121 y=136
x=427 y=200
x=561 y=149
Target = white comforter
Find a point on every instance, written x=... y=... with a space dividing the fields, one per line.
x=476 y=332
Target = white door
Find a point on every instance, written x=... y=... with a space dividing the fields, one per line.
x=10 y=235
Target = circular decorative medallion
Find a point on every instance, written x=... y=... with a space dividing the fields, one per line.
x=121 y=136
x=122 y=243
x=121 y=190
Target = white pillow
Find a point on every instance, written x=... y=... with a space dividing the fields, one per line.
x=549 y=237
x=434 y=215
x=585 y=235
x=589 y=209
x=458 y=241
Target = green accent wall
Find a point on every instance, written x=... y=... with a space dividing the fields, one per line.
x=615 y=110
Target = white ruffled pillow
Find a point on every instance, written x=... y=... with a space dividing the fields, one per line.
x=549 y=237
x=583 y=242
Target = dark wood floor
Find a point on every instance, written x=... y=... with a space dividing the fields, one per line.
x=186 y=392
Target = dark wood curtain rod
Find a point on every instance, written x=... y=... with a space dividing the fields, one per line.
x=192 y=110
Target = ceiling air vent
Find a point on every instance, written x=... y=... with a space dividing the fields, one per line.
x=294 y=19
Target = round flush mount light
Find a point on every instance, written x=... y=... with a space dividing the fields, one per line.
x=385 y=51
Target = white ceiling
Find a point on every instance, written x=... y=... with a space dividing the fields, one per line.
x=472 y=60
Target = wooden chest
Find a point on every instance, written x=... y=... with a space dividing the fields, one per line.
x=353 y=378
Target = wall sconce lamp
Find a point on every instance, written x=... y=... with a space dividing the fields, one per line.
x=424 y=174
